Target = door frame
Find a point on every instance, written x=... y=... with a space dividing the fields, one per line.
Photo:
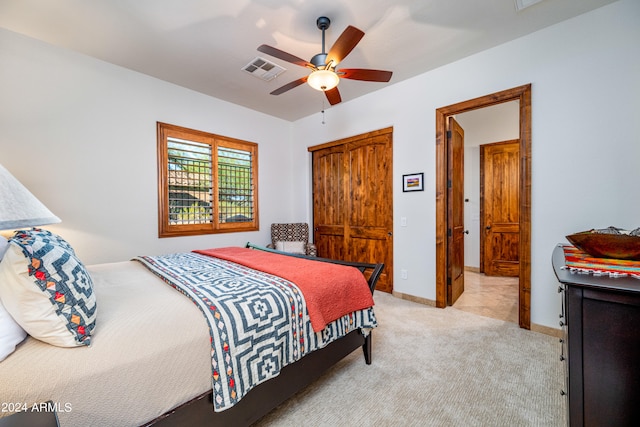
x=523 y=95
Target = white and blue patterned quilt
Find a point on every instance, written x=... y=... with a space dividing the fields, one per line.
x=258 y=322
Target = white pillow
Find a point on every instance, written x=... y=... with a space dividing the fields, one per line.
x=3 y=246
x=291 y=247
x=11 y=334
x=47 y=290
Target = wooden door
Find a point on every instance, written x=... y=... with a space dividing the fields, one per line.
x=499 y=208
x=370 y=215
x=353 y=201
x=329 y=202
x=455 y=233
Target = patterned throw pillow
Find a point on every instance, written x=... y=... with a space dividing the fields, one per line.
x=46 y=234
x=47 y=290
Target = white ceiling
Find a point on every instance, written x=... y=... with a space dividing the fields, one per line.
x=203 y=44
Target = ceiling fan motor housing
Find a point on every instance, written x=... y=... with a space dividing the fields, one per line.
x=319 y=60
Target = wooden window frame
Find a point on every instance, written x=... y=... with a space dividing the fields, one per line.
x=165 y=229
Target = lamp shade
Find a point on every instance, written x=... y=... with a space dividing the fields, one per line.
x=323 y=80
x=18 y=207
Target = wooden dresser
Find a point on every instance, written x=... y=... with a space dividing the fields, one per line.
x=601 y=346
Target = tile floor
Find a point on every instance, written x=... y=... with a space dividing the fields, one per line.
x=495 y=297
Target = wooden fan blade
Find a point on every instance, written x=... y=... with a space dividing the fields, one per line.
x=344 y=45
x=365 y=74
x=333 y=96
x=280 y=54
x=290 y=86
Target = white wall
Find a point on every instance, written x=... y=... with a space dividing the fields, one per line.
x=585 y=149
x=81 y=135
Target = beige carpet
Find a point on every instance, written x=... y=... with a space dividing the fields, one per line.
x=435 y=367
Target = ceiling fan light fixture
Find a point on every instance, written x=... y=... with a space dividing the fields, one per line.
x=323 y=80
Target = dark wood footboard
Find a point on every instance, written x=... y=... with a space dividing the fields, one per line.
x=370 y=271
x=293 y=378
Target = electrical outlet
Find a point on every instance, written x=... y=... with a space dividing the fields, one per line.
x=403 y=274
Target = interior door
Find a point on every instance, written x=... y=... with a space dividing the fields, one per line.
x=329 y=219
x=499 y=208
x=370 y=215
x=455 y=233
x=353 y=201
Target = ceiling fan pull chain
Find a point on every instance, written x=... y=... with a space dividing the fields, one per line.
x=322 y=111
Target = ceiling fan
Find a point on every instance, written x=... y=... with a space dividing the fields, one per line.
x=324 y=75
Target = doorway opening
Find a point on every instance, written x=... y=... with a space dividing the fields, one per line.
x=489 y=296
x=522 y=94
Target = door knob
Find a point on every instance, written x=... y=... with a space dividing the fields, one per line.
x=390 y=234
x=488 y=227
x=466 y=231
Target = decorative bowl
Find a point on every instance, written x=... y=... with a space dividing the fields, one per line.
x=606 y=245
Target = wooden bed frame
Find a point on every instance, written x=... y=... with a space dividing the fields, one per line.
x=293 y=378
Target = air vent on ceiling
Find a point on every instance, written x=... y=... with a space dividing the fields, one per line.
x=263 y=69
x=523 y=4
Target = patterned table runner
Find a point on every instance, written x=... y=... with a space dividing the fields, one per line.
x=577 y=260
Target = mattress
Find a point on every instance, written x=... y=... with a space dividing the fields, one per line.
x=136 y=368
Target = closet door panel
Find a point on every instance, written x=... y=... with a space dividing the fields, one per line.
x=329 y=202
x=370 y=215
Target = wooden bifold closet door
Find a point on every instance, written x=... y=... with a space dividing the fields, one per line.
x=353 y=200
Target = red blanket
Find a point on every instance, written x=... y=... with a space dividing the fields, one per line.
x=330 y=290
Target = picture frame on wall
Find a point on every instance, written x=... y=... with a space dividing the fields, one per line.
x=413 y=182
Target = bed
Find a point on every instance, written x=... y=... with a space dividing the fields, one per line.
x=150 y=357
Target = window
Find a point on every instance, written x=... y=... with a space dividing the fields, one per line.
x=206 y=183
